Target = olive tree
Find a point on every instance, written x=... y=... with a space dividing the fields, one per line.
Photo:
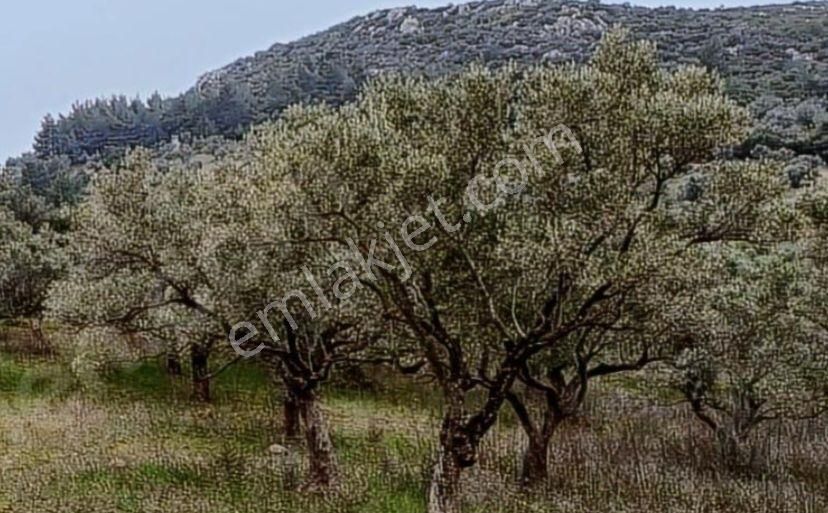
x=29 y=263
x=497 y=216
x=190 y=257
x=754 y=358
x=555 y=383
x=739 y=203
x=146 y=260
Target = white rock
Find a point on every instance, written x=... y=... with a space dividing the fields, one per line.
x=410 y=25
x=521 y=3
x=566 y=26
x=278 y=450
x=796 y=55
x=118 y=463
x=396 y=14
x=552 y=55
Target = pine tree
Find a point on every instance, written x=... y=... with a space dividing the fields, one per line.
x=45 y=144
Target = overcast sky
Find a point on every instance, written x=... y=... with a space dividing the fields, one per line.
x=54 y=52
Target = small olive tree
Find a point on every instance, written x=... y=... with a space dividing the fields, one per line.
x=190 y=257
x=29 y=263
x=138 y=253
x=753 y=357
x=555 y=383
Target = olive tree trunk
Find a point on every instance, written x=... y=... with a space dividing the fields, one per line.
x=459 y=446
x=173 y=364
x=444 y=490
x=734 y=449
x=535 y=468
x=291 y=415
x=199 y=357
x=40 y=342
x=322 y=471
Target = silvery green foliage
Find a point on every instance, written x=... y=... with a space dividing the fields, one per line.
x=800 y=170
x=754 y=356
x=804 y=170
x=186 y=254
x=181 y=255
x=799 y=125
x=815 y=300
x=147 y=255
x=589 y=227
x=29 y=262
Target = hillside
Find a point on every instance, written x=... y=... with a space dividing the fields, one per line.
x=774 y=58
x=777 y=50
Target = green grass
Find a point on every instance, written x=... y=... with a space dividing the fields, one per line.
x=245 y=379
x=404 y=497
x=12 y=374
x=148 y=474
x=145 y=380
x=22 y=377
x=149 y=380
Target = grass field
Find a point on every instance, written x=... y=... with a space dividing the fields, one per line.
x=133 y=441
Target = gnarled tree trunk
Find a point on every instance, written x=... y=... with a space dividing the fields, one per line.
x=734 y=449
x=535 y=469
x=40 y=342
x=322 y=472
x=173 y=364
x=292 y=415
x=444 y=490
x=201 y=374
x=458 y=450
x=731 y=432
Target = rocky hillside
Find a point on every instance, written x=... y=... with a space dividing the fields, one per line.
x=780 y=50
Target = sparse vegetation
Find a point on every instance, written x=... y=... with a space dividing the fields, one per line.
x=136 y=443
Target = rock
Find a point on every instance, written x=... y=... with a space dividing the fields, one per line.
x=570 y=10
x=574 y=26
x=457 y=10
x=796 y=55
x=553 y=56
x=278 y=450
x=396 y=14
x=521 y=3
x=410 y=25
x=118 y=463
